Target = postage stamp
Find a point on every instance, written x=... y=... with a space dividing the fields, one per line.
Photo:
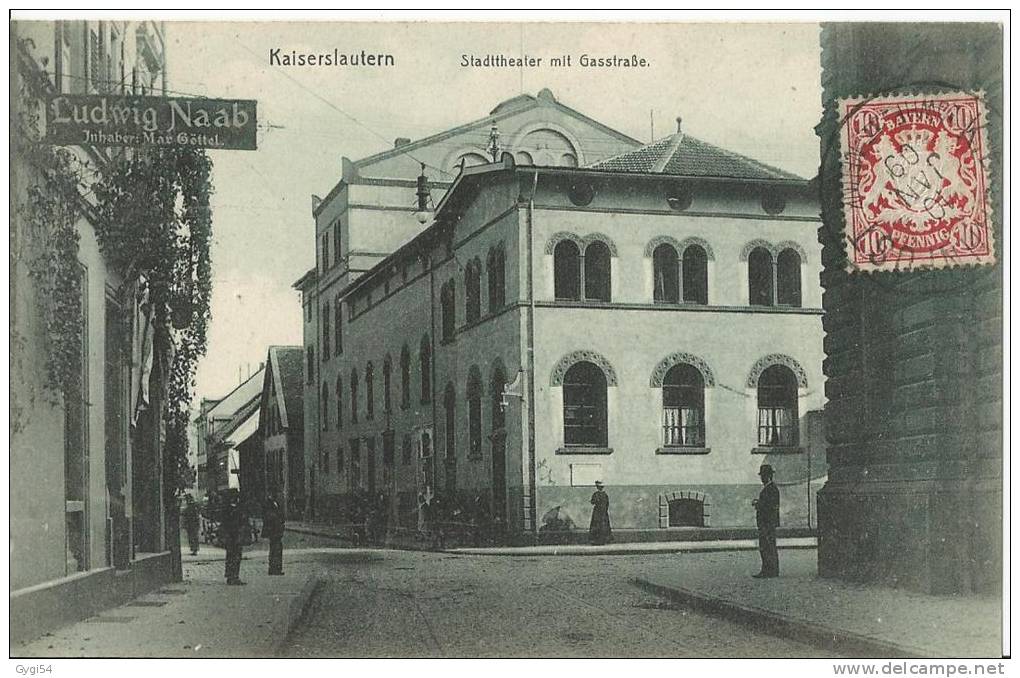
x=915 y=178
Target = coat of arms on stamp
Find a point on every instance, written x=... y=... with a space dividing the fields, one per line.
x=915 y=178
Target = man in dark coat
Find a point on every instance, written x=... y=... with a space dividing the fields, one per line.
x=600 y=531
x=232 y=523
x=766 y=508
x=272 y=528
x=190 y=515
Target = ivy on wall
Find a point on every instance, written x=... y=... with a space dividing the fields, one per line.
x=151 y=215
x=153 y=219
x=47 y=241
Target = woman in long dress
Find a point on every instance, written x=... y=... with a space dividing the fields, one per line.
x=600 y=531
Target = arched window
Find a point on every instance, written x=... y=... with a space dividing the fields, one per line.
x=778 y=418
x=788 y=278
x=369 y=392
x=405 y=377
x=450 y=418
x=666 y=269
x=683 y=407
x=597 y=272
x=448 y=304
x=474 y=397
x=759 y=277
x=567 y=270
x=496 y=386
x=354 y=395
x=387 y=368
x=325 y=331
x=339 y=403
x=338 y=322
x=695 y=268
x=425 y=358
x=325 y=408
x=585 y=421
x=497 y=278
x=473 y=290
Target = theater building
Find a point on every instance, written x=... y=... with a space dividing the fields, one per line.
x=651 y=320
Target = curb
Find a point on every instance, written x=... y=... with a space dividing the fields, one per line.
x=681 y=547
x=690 y=546
x=297 y=610
x=846 y=643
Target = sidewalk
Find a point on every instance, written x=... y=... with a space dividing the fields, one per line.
x=851 y=619
x=199 y=617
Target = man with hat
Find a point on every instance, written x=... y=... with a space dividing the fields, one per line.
x=766 y=508
x=233 y=521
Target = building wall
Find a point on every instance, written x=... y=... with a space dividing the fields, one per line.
x=633 y=335
x=39 y=509
x=913 y=360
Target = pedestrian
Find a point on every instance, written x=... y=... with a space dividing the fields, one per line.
x=233 y=522
x=600 y=532
x=272 y=529
x=191 y=516
x=766 y=508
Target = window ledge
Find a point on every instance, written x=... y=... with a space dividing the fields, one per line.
x=682 y=449
x=777 y=450
x=583 y=449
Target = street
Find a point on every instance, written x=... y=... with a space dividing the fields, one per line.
x=417 y=604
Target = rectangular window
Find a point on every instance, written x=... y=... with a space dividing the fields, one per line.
x=339 y=460
x=338 y=317
x=325 y=332
x=355 y=477
x=63 y=57
x=336 y=239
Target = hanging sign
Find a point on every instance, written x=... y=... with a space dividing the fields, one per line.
x=116 y=120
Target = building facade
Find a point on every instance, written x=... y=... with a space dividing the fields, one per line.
x=913 y=360
x=371 y=212
x=281 y=429
x=226 y=424
x=88 y=523
x=651 y=321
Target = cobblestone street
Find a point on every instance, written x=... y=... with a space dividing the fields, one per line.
x=406 y=604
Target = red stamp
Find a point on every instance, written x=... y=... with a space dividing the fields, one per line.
x=915 y=182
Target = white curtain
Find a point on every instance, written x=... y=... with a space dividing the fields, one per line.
x=681 y=426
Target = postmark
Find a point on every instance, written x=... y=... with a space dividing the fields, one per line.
x=915 y=182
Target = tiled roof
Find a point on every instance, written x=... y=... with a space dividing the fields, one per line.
x=683 y=155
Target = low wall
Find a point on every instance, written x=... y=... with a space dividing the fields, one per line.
x=637 y=507
x=44 y=607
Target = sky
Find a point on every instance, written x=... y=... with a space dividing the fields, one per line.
x=751 y=88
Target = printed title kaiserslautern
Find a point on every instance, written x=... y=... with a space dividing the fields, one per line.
x=277 y=57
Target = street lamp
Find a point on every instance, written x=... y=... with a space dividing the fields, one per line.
x=423 y=213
